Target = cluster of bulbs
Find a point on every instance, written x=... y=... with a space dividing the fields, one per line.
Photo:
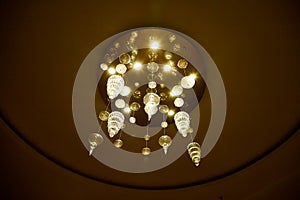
x=152 y=101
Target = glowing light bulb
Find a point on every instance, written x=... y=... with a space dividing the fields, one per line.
x=154 y=44
x=171 y=112
x=111 y=70
x=167 y=68
x=137 y=66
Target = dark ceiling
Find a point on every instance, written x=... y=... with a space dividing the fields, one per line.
x=255 y=45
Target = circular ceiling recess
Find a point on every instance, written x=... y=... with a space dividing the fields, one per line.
x=136 y=100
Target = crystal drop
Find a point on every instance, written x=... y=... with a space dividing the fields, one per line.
x=176 y=47
x=188 y=82
x=132 y=120
x=118 y=143
x=121 y=68
x=125 y=58
x=152 y=56
x=151 y=77
x=120 y=103
x=190 y=130
x=135 y=106
x=163 y=96
x=152 y=84
x=164 y=109
x=136 y=84
x=149 y=90
x=164 y=124
x=147 y=137
x=133 y=34
x=152 y=67
x=117 y=45
x=182 y=64
x=172 y=38
x=103 y=115
x=168 y=55
x=104 y=66
x=137 y=94
x=146 y=151
x=178 y=102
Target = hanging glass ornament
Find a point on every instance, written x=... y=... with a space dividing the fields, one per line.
x=94 y=140
x=115 y=123
x=125 y=58
x=114 y=86
x=182 y=64
x=152 y=67
x=103 y=115
x=118 y=143
x=146 y=151
x=188 y=82
x=194 y=152
x=165 y=141
x=182 y=122
x=121 y=68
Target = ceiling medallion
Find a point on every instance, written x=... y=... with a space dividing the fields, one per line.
x=148 y=83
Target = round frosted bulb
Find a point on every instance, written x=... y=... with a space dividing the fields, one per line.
x=152 y=84
x=121 y=68
x=176 y=90
x=188 y=82
x=120 y=103
x=125 y=91
x=132 y=120
x=104 y=66
x=178 y=102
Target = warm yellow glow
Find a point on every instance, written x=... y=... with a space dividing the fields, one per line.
x=111 y=70
x=171 y=112
x=154 y=44
x=193 y=76
x=167 y=68
x=137 y=66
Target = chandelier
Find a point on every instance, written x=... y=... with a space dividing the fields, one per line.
x=145 y=82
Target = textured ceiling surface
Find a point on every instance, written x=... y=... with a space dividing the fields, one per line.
x=255 y=46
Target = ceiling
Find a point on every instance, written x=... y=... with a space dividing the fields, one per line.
x=256 y=47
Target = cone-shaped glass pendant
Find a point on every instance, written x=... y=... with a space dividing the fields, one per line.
x=94 y=140
x=115 y=84
x=194 y=152
x=115 y=123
